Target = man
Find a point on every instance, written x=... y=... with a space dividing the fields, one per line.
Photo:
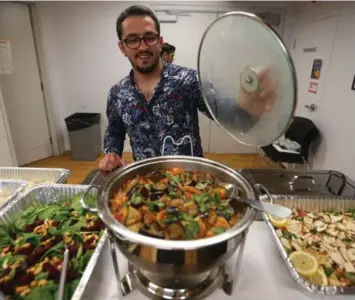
x=158 y=99
x=167 y=53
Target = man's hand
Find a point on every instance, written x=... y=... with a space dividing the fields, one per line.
x=110 y=162
x=263 y=99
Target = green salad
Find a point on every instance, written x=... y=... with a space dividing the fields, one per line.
x=32 y=249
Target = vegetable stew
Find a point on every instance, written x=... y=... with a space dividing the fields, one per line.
x=175 y=204
x=32 y=249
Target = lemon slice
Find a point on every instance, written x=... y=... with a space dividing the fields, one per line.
x=319 y=278
x=305 y=263
x=277 y=222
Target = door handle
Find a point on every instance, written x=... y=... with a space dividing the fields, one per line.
x=311 y=107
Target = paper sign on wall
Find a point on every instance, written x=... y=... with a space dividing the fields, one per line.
x=6 y=66
x=316 y=69
x=313 y=87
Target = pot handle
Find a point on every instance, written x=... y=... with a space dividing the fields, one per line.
x=178 y=143
x=259 y=187
x=299 y=177
x=82 y=200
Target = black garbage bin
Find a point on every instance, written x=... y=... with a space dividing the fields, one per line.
x=84 y=135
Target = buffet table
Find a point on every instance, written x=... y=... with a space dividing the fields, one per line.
x=262 y=274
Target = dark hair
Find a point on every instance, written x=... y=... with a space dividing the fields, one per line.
x=167 y=48
x=135 y=10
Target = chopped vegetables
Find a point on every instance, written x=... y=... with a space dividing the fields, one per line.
x=328 y=237
x=176 y=204
x=32 y=249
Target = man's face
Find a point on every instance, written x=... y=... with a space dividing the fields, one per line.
x=145 y=57
x=168 y=58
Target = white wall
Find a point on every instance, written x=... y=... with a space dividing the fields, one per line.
x=79 y=42
x=335 y=117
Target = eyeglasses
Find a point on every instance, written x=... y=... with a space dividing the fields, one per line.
x=135 y=42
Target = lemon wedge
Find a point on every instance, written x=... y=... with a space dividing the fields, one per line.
x=319 y=278
x=277 y=222
x=305 y=263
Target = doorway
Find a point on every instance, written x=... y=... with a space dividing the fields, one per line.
x=313 y=44
x=22 y=89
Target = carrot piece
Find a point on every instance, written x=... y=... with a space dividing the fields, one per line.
x=121 y=215
x=177 y=171
x=222 y=222
x=191 y=190
x=187 y=195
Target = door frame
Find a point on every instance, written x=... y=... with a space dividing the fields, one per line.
x=294 y=42
x=36 y=24
x=7 y=130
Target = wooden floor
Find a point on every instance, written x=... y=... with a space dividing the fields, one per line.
x=80 y=169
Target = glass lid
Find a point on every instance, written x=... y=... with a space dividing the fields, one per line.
x=247 y=78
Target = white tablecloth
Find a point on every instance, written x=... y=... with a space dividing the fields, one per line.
x=263 y=275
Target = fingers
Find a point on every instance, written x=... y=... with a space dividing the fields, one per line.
x=110 y=162
x=268 y=89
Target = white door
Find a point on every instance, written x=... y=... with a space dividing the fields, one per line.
x=22 y=89
x=186 y=35
x=7 y=157
x=312 y=41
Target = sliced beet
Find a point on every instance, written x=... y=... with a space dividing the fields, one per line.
x=26 y=279
x=6 y=272
x=46 y=266
x=87 y=246
x=54 y=274
x=73 y=249
x=39 y=222
x=29 y=228
x=32 y=258
x=7 y=287
x=25 y=251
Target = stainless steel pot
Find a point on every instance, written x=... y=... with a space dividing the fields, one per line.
x=172 y=263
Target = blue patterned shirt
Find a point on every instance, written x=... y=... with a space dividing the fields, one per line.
x=172 y=110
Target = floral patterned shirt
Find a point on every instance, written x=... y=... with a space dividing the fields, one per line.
x=172 y=110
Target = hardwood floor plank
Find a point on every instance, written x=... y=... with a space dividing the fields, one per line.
x=80 y=169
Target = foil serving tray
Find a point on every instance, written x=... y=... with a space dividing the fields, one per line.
x=9 y=189
x=35 y=175
x=49 y=193
x=320 y=183
x=311 y=204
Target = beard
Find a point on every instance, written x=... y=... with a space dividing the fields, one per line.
x=145 y=69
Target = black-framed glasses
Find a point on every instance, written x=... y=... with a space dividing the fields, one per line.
x=135 y=42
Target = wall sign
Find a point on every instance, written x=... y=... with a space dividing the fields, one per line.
x=316 y=69
x=313 y=87
x=5 y=57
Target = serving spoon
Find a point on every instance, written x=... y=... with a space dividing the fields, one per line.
x=273 y=209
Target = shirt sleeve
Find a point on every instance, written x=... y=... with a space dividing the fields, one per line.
x=241 y=119
x=116 y=131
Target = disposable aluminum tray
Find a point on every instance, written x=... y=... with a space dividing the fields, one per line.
x=49 y=193
x=323 y=183
x=9 y=188
x=35 y=175
x=314 y=205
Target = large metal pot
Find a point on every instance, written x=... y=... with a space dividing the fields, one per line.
x=174 y=263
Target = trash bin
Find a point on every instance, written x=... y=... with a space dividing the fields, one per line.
x=84 y=135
